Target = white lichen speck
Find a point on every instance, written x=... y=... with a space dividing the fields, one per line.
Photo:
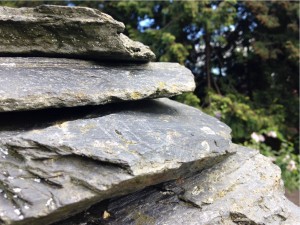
x=207 y=130
x=17 y=211
x=37 y=180
x=5 y=152
x=17 y=190
x=205 y=145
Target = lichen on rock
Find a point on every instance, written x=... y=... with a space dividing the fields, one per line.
x=61 y=31
x=245 y=188
x=61 y=169
x=37 y=83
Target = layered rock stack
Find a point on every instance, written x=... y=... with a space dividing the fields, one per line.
x=76 y=133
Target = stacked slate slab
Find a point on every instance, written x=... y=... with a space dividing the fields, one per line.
x=88 y=137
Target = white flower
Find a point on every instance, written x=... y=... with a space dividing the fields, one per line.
x=291 y=166
x=272 y=134
x=257 y=137
x=286 y=158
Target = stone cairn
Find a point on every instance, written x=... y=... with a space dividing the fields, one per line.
x=77 y=133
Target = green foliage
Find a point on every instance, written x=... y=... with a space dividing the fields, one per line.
x=243 y=116
x=189 y=99
x=26 y=3
x=167 y=49
x=213 y=19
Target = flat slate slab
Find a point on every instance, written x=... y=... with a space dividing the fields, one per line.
x=36 y=83
x=245 y=188
x=49 y=173
x=61 y=31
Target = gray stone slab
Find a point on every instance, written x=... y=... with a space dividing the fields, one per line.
x=60 y=31
x=36 y=83
x=48 y=174
x=245 y=188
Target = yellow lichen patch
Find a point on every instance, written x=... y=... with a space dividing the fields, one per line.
x=174 y=88
x=62 y=124
x=56 y=123
x=36 y=131
x=135 y=95
x=173 y=134
x=87 y=127
x=161 y=85
x=224 y=192
x=80 y=95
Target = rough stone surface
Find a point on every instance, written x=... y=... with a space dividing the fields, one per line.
x=35 y=83
x=49 y=173
x=60 y=31
x=243 y=189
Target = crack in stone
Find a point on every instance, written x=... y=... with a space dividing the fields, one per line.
x=66 y=151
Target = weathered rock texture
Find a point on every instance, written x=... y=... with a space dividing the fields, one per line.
x=36 y=83
x=58 y=159
x=50 y=173
x=243 y=189
x=60 y=31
